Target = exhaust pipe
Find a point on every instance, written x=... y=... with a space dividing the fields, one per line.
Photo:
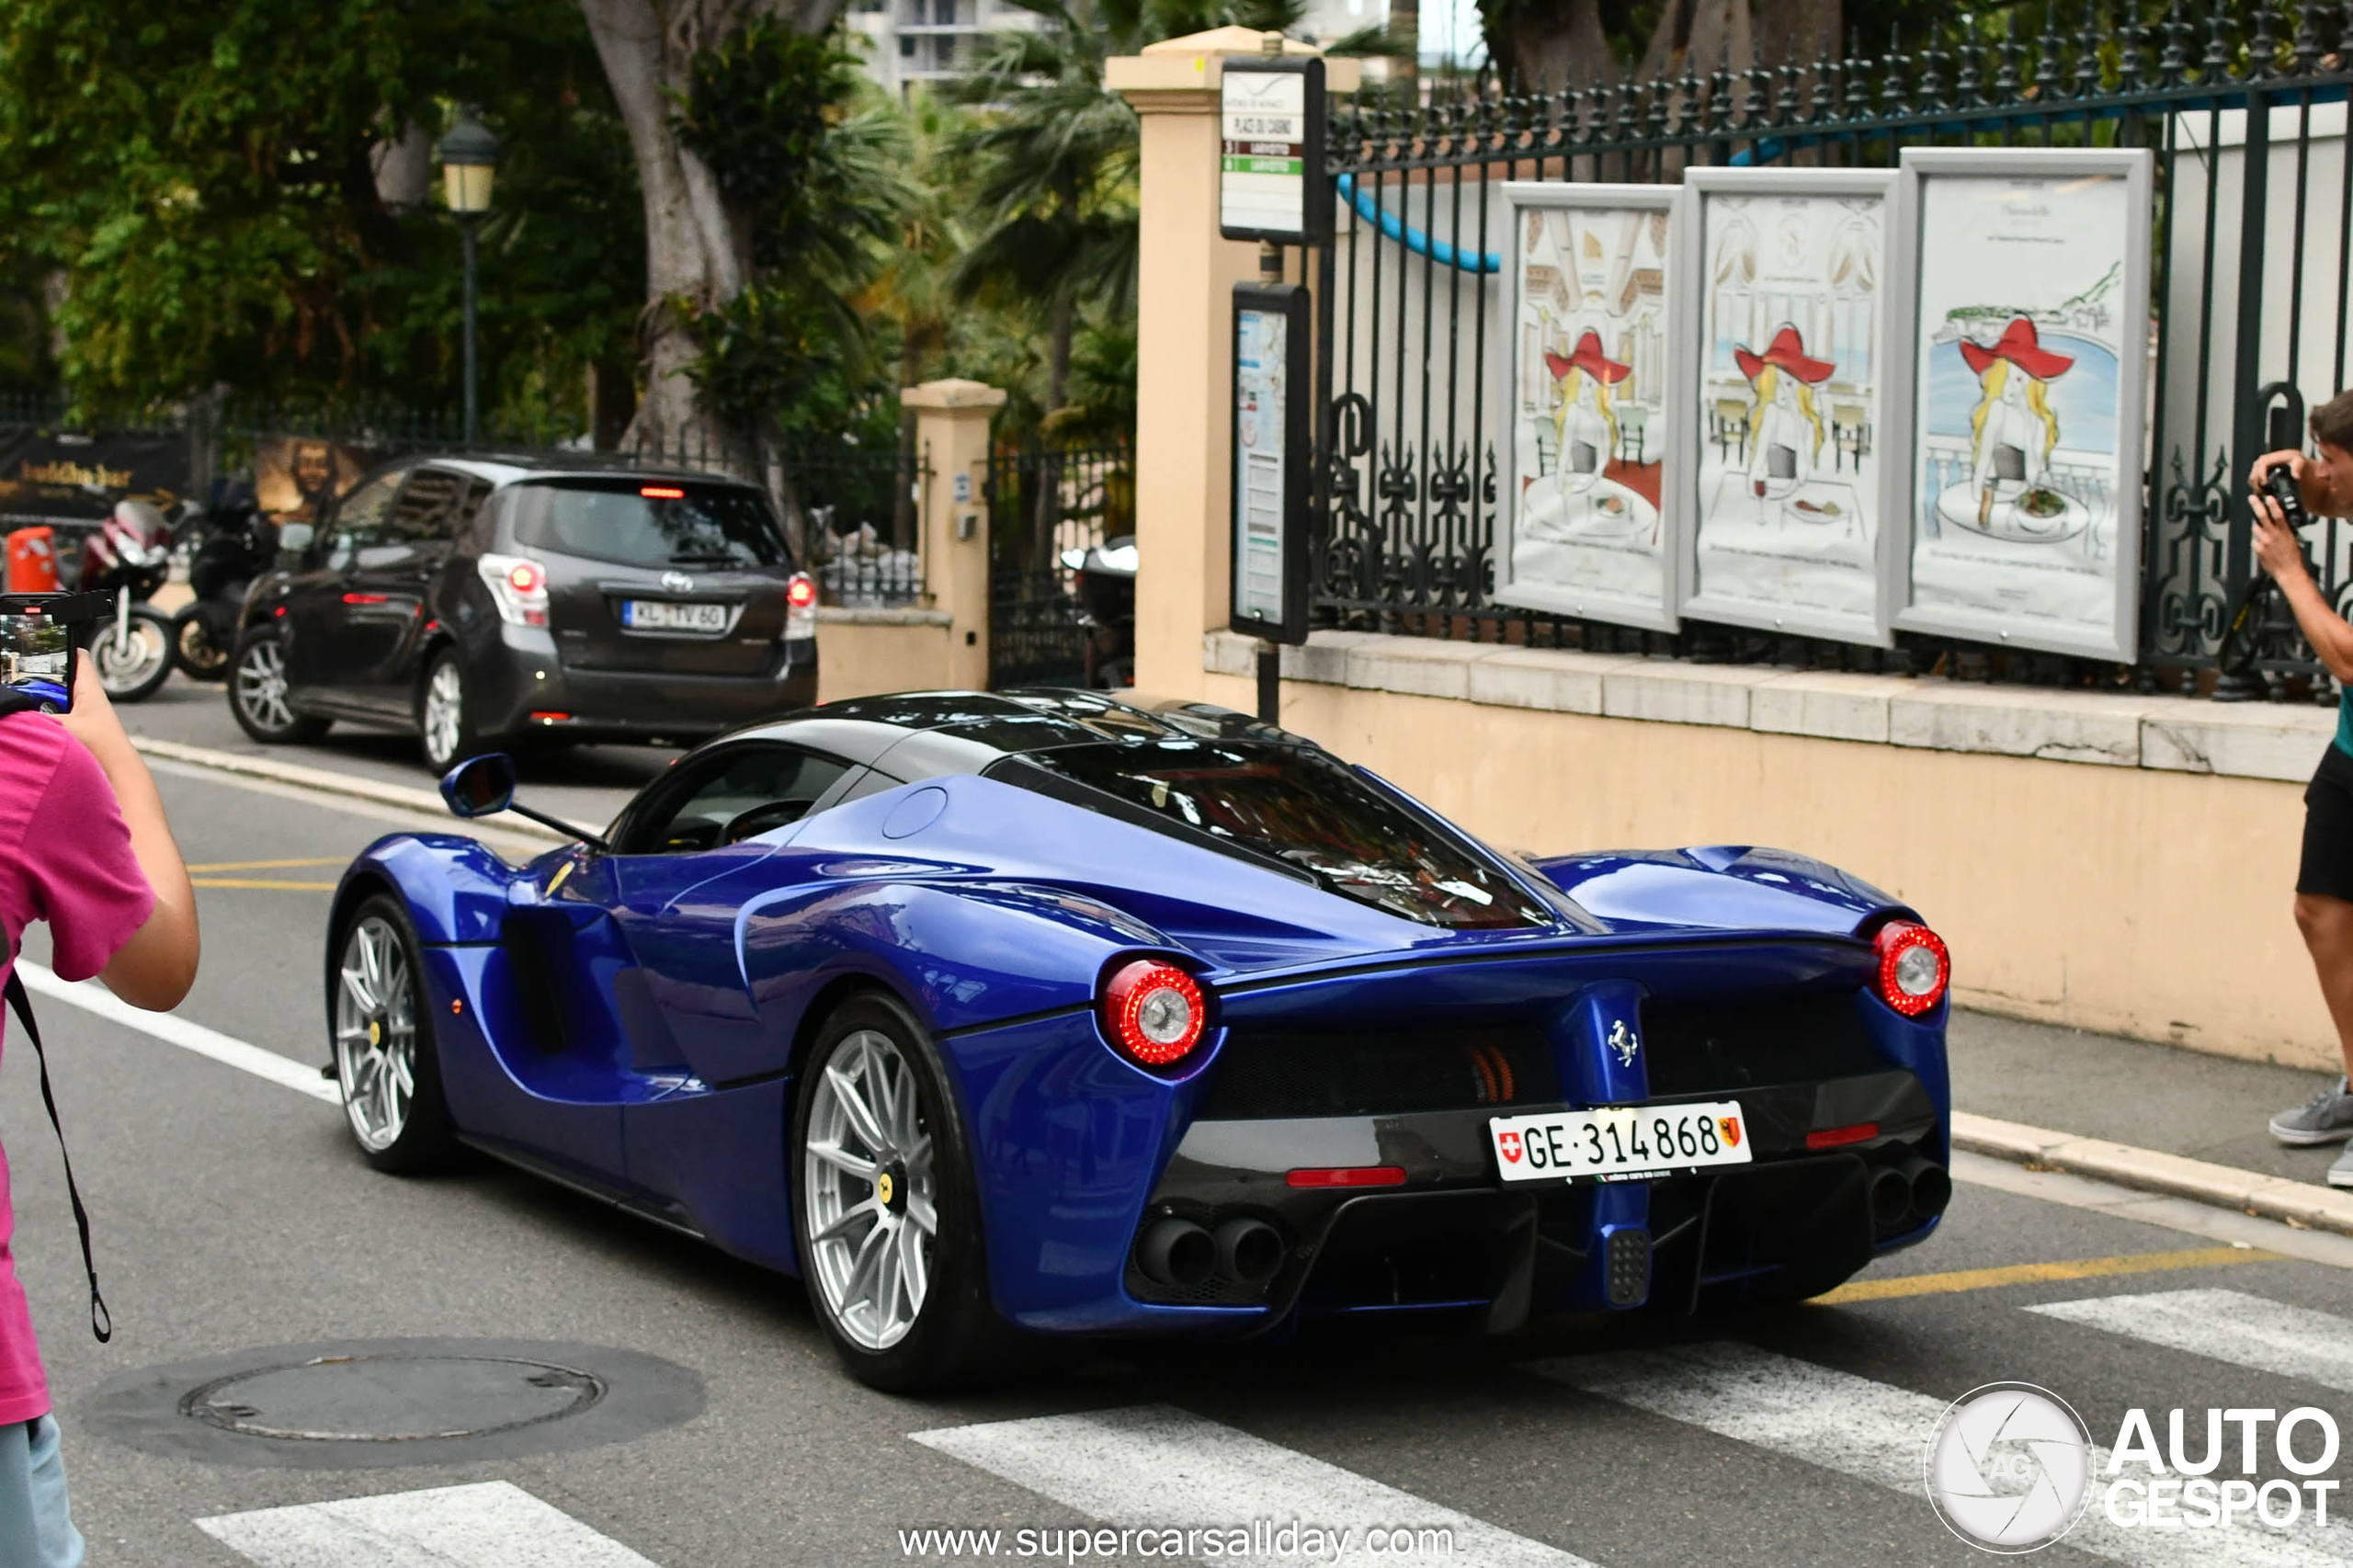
x=1891 y=1194
x=1931 y=1186
x=1178 y=1253
x=1249 y=1252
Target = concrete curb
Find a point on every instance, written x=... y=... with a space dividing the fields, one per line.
x=2226 y=1187
x=327 y=781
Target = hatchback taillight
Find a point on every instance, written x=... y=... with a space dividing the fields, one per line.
x=801 y=606
x=519 y=586
x=1913 y=968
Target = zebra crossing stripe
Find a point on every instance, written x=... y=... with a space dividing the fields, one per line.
x=1879 y=1432
x=2227 y=1325
x=1157 y=1466
x=490 y=1525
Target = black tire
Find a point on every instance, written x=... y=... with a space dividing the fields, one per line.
x=133 y=677
x=446 y=737
x=379 y=1013
x=955 y=1334
x=194 y=652
x=259 y=696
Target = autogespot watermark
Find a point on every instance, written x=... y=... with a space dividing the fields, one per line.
x=2012 y=1468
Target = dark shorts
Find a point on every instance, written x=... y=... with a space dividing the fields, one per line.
x=2327 y=867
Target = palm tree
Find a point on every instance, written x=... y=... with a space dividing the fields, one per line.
x=1049 y=160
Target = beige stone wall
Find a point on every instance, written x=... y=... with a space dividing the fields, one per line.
x=2116 y=899
x=860 y=652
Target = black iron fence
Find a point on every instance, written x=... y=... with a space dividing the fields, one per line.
x=852 y=510
x=1047 y=507
x=2245 y=114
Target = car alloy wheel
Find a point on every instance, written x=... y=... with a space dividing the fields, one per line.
x=871 y=1191
x=443 y=717
x=375 y=1033
x=261 y=687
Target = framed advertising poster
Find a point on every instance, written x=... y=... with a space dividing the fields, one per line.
x=1791 y=396
x=1598 y=323
x=2028 y=273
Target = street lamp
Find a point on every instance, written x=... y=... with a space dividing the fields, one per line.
x=469 y=160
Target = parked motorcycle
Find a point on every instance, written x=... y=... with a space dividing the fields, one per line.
x=229 y=545
x=128 y=556
x=1107 y=590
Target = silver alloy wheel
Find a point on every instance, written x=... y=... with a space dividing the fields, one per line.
x=261 y=687
x=868 y=1178
x=375 y=1033
x=127 y=657
x=445 y=713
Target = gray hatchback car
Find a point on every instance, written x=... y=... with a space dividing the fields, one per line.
x=481 y=602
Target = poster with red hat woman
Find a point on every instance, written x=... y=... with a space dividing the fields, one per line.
x=1588 y=532
x=2032 y=331
x=1790 y=386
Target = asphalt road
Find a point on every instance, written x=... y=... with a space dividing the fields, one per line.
x=232 y=1214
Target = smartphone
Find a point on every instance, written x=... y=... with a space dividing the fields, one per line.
x=38 y=634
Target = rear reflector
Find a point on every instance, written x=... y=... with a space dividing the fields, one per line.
x=553 y=718
x=1348 y=1176
x=660 y=493
x=1832 y=1137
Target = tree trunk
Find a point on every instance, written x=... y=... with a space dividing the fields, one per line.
x=1555 y=46
x=697 y=249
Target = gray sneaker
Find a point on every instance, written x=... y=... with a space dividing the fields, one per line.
x=2326 y=1118
x=2341 y=1173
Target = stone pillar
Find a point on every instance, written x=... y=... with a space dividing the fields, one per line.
x=1185 y=350
x=953 y=437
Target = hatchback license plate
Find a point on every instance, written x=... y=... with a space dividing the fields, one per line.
x=1619 y=1144
x=661 y=614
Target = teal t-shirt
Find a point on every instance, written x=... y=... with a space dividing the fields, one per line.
x=2344 y=719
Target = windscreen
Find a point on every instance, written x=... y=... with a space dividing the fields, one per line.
x=1305 y=809
x=636 y=522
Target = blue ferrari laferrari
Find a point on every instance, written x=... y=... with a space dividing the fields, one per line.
x=1074 y=1015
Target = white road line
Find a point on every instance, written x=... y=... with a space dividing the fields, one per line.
x=1155 y=1465
x=90 y=997
x=491 y=1525
x=1879 y=1432
x=2228 y=1325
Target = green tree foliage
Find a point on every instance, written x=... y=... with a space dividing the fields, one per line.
x=202 y=176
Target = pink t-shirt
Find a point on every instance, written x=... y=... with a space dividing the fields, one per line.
x=65 y=858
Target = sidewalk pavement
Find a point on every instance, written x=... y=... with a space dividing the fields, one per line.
x=2153 y=1117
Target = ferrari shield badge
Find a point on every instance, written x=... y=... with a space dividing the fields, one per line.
x=1622 y=1041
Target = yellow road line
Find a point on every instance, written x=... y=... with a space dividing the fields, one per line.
x=2039 y=1273
x=261 y=882
x=271 y=865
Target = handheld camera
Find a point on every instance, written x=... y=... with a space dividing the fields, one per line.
x=2280 y=485
x=39 y=634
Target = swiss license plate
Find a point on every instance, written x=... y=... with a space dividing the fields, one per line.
x=1619 y=1144
x=661 y=614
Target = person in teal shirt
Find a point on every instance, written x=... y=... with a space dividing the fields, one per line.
x=2325 y=877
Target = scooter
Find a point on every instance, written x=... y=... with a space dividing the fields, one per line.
x=228 y=546
x=128 y=556
x=1107 y=591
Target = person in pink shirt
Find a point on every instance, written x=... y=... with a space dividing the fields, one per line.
x=85 y=847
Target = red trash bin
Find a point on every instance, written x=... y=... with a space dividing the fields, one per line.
x=32 y=561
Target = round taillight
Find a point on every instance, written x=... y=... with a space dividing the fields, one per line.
x=800 y=592
x=526 y=576
x=1914 y=967
x=1154 y=1012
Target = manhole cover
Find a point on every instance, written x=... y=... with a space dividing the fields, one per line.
x=394 y=1402
x=393 y=1399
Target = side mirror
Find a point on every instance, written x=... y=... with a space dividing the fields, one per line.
x=480 y=786
x=293 y=539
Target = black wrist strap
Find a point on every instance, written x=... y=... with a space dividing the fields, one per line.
x=101 y=1321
